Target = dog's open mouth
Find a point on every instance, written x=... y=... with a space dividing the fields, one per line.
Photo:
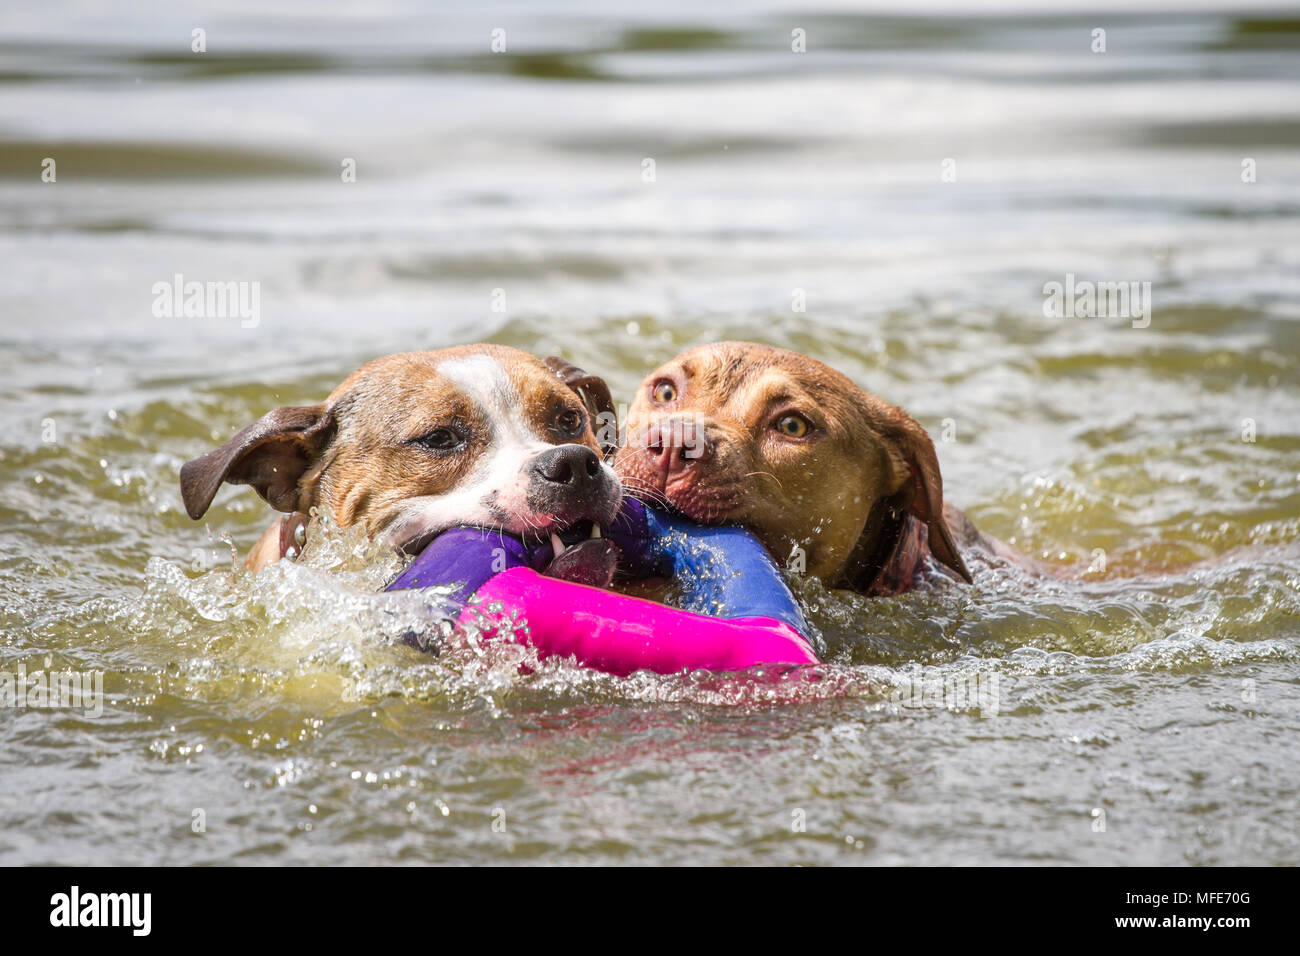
x=583 y=554
x=580 y=552
x=573 y=536
x=560 y=540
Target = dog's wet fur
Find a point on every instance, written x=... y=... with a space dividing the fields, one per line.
x=737 y=433
x=781 y=444
x=410 y=445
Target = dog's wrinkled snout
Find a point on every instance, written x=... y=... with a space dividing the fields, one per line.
x=675 y=442
x=572 y=467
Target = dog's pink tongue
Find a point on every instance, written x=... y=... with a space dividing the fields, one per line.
x=592 y=562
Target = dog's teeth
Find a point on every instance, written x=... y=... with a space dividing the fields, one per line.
x=595 y=530
x=556 y=544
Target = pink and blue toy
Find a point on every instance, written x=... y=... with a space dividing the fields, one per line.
x=738 y=612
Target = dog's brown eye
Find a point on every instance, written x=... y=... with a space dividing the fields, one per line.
x=664 y=392
x=792 y=426
x=569 y=422
x=441 y=439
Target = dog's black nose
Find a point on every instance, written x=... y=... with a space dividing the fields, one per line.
x=574 y=467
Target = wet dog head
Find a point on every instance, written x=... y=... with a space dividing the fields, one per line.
x=737 y=433
x=412 y=444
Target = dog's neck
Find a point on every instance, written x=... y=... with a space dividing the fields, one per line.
x=891 y=554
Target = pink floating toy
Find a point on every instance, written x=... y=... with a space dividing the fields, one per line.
x=741 y=614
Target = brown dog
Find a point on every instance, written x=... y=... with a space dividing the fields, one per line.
x=738 y=433
x=412 y=444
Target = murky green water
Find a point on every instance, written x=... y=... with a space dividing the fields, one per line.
x=1158 y=696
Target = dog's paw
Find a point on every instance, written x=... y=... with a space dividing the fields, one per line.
x=591 y=562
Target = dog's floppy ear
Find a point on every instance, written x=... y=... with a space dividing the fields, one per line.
x=908 y=524
x=595 y=396
x=271 y=455
x=920 y=493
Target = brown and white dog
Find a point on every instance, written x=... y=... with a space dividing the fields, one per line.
x=746 y=434
x=412 y=444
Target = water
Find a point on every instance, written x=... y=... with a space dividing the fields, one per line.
x=1157 y=697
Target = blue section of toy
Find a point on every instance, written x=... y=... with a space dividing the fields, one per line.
x=722 y=572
